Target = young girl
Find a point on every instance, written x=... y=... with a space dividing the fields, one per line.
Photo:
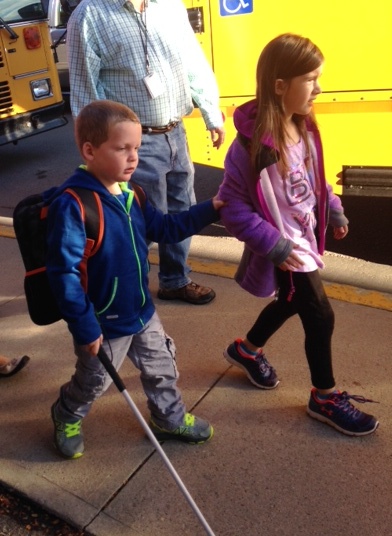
x=279 y=204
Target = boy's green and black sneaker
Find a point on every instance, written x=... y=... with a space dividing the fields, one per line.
x=68 y=436
x=193 y=430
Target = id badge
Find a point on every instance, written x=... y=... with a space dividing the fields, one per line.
x=154 y=85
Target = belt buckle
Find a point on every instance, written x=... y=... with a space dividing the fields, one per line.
x=171 y=125
x=160 y=130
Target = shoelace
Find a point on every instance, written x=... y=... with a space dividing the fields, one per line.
x=265 y=368
x=72 y=429
x=342 y=400
x=189 y=422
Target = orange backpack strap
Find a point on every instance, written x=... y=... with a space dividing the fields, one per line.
x=140 y=194
x=92 y=214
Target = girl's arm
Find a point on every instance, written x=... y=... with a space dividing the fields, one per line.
x=242 y=214
x=336 y=212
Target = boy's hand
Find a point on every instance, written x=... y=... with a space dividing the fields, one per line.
x=340 y=232
x=218 y=204
x=93 y=347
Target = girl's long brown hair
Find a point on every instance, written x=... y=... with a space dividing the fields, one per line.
x=285 y=57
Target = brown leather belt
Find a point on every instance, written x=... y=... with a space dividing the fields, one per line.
x=160 y=130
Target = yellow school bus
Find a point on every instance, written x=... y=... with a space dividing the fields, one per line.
x=354 y=111
x=30 y=97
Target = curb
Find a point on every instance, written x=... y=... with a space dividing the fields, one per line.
x=345 y=278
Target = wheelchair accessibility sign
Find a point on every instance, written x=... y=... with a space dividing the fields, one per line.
x=235 y=7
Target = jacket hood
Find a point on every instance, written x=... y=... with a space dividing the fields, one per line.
x=84 y=179
x=244 y=121
x=81 y=178
x=244 y=118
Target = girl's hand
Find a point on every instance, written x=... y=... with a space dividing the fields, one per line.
x=340 y=232
x=93 y=347
x=218 y=204
x=293 y=261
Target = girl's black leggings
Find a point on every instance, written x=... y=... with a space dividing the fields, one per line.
x=309 y=301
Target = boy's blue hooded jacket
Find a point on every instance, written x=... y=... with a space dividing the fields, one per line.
x=118 y=301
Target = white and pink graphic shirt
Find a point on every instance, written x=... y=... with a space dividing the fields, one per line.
x=297 y=202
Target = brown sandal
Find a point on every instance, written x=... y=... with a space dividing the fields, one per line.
x=14 y=366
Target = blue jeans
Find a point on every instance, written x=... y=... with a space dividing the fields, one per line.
x=166 y=173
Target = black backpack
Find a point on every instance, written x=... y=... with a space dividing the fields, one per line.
x=30 y=224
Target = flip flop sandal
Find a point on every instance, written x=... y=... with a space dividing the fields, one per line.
x=15 y=366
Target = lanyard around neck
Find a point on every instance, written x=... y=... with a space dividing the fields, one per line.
x=141 y=20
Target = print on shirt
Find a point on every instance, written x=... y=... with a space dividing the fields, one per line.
x=299 y=194
x=297 y=201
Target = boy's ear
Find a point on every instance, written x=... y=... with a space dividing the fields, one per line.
x=87 y=151
x=280 y=86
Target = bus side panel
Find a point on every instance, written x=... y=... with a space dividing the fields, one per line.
x=355 y=134
x=201 y=148
x=354 y=111
x=355 y=39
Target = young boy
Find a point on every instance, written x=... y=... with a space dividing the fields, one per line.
x=117 y=311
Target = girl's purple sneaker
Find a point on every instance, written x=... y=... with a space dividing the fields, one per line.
x=337 y=411
x=258 y=370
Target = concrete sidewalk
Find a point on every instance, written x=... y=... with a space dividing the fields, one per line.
x=269 y=469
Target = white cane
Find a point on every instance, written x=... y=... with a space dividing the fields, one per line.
x=104 y=358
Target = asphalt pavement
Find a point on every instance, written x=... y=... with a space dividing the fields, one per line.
x=269 y=468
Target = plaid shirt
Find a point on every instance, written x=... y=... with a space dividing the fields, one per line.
x=107 y=43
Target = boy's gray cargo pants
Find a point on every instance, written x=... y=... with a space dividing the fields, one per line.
x=152 y=351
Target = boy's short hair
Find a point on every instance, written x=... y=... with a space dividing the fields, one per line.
x=94 y=120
